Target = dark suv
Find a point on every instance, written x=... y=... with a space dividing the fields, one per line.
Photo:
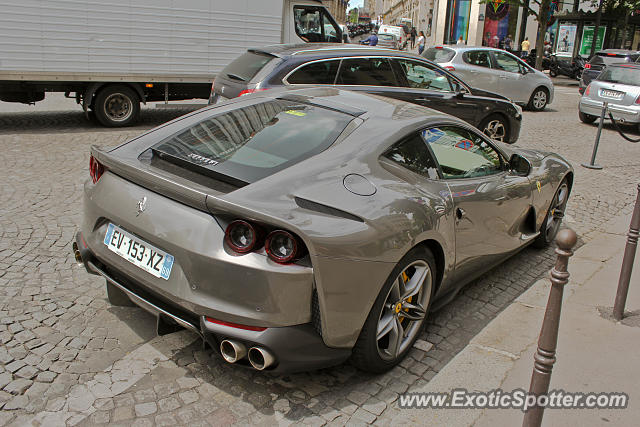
x=384 y=72
x=603 y=59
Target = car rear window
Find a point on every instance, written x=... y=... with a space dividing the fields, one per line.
x=246 y=66
x=439 y=54
x=608 y=59
x=389 y=37
x=255 y=141
x=623 y=75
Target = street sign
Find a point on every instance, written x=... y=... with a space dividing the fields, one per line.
x=587 y=39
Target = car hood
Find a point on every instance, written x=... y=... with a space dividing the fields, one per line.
x=486 y=93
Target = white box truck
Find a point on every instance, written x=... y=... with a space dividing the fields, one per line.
x=112 y=55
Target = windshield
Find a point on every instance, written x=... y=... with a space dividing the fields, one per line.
x=250 y=143
x=246 y=66
x=439 y=54
x=623 y=75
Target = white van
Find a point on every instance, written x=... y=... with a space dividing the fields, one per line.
x=397 y=31
x=137 y=51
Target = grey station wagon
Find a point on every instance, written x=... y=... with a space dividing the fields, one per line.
x=383 y=72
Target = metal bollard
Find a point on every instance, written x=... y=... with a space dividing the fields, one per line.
x=592 y=165
x=627 y=261
x=545 y=356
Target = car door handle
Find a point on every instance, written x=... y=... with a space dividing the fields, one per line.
x=460 y=213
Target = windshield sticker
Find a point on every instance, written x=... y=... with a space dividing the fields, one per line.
x=465 y=144
x=296 y=113
x=432 y=135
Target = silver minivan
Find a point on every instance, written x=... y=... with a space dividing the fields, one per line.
x=497 y=71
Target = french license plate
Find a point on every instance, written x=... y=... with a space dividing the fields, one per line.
x=611 y=94
x=138 y=252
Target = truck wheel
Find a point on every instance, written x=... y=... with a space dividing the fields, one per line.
x=117 y=106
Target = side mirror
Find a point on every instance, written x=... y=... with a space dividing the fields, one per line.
x=460 y=92
x=519 y=165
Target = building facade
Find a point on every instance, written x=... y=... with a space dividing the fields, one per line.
x=338 y=9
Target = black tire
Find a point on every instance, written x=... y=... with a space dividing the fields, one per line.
x=117 y=106
x=366 y=355
x=541 y=94
x=553 y=73
x=117 y=297
x=547 y=236
x=492 y=124
x=586 y=118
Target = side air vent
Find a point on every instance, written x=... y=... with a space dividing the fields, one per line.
x=319 y=207
x=315 y=313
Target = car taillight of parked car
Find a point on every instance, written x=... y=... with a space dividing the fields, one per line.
x=450 y=68
x=281 y=246
x=248 y=91
x=96 y=169
x=638 y=100
x=587 y=66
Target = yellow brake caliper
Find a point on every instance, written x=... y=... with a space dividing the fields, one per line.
x=405 y=277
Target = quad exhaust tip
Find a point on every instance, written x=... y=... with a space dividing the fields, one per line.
x=260 y=358
x=232 y=351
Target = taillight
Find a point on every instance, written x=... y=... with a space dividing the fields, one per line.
x=282 y=246
x=95 y=169
x=638 y=100
x=235 y=325
x=241 y=236
x=213 y=86
x=587 y=90
x=248 y=91
x=450 y=68
x=587 y=66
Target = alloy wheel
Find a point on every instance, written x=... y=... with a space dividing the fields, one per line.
x=540 y=99
x=403 y=310
x=556 y=213
x=495 y=130
x=118 y=107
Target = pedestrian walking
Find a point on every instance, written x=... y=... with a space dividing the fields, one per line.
x=508 y=43
x=421 y=42
x=413 y=34
x=460 y=41
x=525 y=46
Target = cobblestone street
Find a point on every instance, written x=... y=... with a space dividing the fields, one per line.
x=69 y=358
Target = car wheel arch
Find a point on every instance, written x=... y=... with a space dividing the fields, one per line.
x=437 y=251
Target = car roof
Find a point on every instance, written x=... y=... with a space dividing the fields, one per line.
x=619 y=51
x=326 y=50
x=462 y=48
x=634 y=65
x=360 y=104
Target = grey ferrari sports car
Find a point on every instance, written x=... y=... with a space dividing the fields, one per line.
x=294 y=229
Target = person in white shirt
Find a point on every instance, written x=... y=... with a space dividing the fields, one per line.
x=460 y=41
x=421 y=41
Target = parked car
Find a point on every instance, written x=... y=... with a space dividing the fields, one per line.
x=397 y=31
x=497 y=71
x=602 y=59
x=388 y=40
x=293 y=229
x=394 y=74
x=619 y=85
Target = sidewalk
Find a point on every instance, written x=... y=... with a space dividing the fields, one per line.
x=594 y=354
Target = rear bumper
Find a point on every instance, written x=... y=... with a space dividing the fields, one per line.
x=295 y=348
x=623 y=113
